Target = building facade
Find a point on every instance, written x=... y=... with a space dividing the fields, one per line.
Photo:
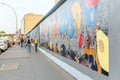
x=30 y=21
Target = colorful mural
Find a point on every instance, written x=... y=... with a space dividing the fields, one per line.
x=77 y=15
x=78 y=30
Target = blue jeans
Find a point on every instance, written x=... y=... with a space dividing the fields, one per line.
x=22 y=44
x=29 y=48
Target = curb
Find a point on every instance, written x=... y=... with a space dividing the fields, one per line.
x=71 y=70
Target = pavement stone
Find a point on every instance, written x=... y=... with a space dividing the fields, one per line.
x=32 y=66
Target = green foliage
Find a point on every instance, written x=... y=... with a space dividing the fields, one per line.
x=2 y=32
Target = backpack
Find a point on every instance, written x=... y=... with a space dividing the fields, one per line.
x=22 y=39
x=28 y=42
x=35 y=40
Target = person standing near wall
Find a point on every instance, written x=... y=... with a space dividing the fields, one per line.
x=56 y=50
x=28 y=42
x=35 y=43
x=11 y=42
x=22 y=41
x=25 y=40
x=18 y=41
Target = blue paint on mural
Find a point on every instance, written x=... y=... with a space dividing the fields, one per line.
x=70 y=26
x=91 y=17
x=62 y=27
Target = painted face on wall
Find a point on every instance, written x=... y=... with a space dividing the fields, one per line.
x=76 y=12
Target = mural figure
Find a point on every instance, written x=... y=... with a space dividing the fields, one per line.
x=77 y=15
x=70 y=26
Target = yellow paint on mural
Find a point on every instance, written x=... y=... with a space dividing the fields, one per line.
x=92 y=16
x=103 y=50
x=76 y=12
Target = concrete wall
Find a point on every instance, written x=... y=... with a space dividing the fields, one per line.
x=114 y=42
x=73 y=25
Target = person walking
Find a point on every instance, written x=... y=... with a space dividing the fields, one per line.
x=18 y=41
x=35 y=43
x=11 y=43
x=25 y=43
x=21 y=41
x=28 y=43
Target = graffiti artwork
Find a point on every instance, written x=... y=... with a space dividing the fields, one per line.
x=91 y=16
x=78 y=30
x=76 y=12
x=70 y=26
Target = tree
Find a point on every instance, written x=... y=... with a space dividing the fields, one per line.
x=2 y=32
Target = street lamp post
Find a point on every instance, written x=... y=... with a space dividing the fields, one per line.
x=14 y=13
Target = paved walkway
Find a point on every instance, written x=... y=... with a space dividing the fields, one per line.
x=18 y=64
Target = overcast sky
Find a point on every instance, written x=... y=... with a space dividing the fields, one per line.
x=22 y=7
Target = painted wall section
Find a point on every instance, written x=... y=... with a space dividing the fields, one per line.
x=78 y=30
x=30 y=21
